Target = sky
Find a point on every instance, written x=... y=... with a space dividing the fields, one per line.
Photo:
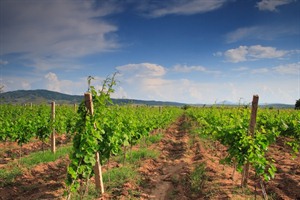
x=188 y=51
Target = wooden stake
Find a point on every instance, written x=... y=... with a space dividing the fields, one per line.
x=245 y=173
x=89 y=102
x=97 y=167
x=253 y=115
x=98 y=174
x=53 y=148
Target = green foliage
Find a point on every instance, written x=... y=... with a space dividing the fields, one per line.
x=185 y=107
x=297 y=104
x=230 y=127
x=108 y=130
x=22 y=123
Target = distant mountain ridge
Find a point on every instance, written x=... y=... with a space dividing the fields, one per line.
x=46 y=96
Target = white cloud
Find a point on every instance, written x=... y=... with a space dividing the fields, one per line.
x=185 y=68
x=158 y=86
x=26 y=85
x=61 y=29
x=241 y=33
x=146 y=81
x=136 y=84
x=250 y=53
x=52 y=82
x=236 y=55
x=288 y=69
x=17 y=83
x=142 y=70
x=188 y=69
x=260 y=52
x=266 y=32
x=120 y=93
x=54 y=63
x=271 y=5
x=181 y=7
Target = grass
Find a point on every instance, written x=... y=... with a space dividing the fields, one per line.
x=198 y=178
x=44 y=157
x=241 y=191
x=143 y=153
x=155 y=138
x=12 y=170
x=134 y=156
x=113 y=180
x=116 y=177
x=151 y=139
x=7 y=176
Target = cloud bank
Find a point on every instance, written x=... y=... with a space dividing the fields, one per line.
x=255 y=52
x=271 y=5
x=180 y=7
x=47 y=30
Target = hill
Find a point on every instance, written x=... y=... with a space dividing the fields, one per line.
x=46 y=96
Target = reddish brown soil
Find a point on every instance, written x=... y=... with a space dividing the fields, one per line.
x=11 y=150
x=286 y=184
x=168 y=176
x=44 y=181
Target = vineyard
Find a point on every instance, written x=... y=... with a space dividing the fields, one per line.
x=145 y=152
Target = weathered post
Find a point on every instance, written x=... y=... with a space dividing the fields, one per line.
x=245 y=173
x=53 y=148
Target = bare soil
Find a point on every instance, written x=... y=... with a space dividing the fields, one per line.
x=168 y=176
x=44 y=181
x=11 y=150
x=286 y=184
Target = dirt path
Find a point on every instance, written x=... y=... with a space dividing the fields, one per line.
x=166 y=177
x=169 y=176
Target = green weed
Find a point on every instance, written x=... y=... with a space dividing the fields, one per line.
x=198 y=178
x=116 y=177
x=44 y=157
x=7 y=176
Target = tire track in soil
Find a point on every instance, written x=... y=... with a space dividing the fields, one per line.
x=166 y=177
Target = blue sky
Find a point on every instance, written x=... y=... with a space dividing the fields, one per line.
x=190 y=51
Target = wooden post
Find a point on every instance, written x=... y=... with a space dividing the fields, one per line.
x=252 y=124
x=97 y=167
x=53 y=148
x=74 y=107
